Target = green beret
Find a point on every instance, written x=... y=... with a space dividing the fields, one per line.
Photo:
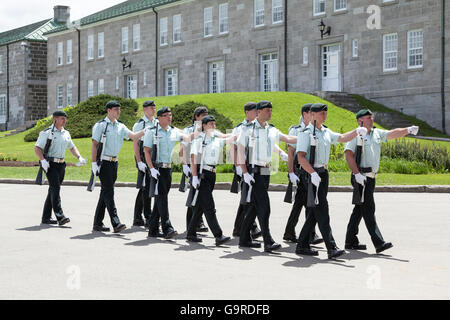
x=59 y=113
x=362 y=113
x=162 y=111
x=207 y=119
x=263 y=104
x=250 y=106
x=306 y=107
x=149 y=103
x=112 y=104
x=317 y=107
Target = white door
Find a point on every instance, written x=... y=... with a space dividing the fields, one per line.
x=132 y=87
x=216 y=77
x=269 y=72
x=330 y=68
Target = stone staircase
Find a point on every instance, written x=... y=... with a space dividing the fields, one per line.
x=28 y=124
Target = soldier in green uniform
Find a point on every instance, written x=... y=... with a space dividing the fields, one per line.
x=318 y=173
x=143 y=201
x=55 y=166
x=115 y=132
x=365 y=175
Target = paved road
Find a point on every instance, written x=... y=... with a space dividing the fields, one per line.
x=40 y=262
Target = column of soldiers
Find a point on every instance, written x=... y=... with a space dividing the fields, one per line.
x=252 y=145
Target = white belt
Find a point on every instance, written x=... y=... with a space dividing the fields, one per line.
x=209 y=168
x=57 y=160
x=321 y=166
x=164 y=165
x=112 y=159
x=262 y=164
x=372 y=175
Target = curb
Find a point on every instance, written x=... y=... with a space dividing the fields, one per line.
x=272 y=187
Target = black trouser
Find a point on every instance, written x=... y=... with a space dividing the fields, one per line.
x=320 y=215
x=55 y=176
x=190 y=213
x=366 y=211
x=108 y=176
x=161 y=205
x=299 y=202
x=205 y=204
x=240 y=214
x=259 y=206
x=143 y=201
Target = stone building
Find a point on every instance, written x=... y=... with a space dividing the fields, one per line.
x=23 y=71
x=387 y=50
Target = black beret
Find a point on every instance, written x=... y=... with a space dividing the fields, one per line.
x=250 y=106
x=306 y=107
x=207 y=119
x=362 y=113
x=317 y=107
x=59 y=113
x=200 y=110
x=263 y=104
x=149 y=103
x=112 y=104
x=163 y=110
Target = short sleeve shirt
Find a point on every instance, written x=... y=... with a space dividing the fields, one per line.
x=165 y=142
x=213 y=149
x=61 y=141
x=370 y=156
x=115 y=134
x=144 y=123
x=294 y=131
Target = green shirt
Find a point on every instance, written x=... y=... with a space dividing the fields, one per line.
x=370 y=156
x=165 y=142
x=213 y=149
x=61 y=142
x=115 y=134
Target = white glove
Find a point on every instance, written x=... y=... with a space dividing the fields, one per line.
x=360 y=178
x=195 y=182
x=315 y=179
x=95 y=168
x=239 y=171
x=248 y=178
x=45 y=165
x=413 y=130
x=81 y=161
x=154 y=172
x=142 y=166
x=361 y=131
x=293 y=178
x=284 y=156
x=186 y=170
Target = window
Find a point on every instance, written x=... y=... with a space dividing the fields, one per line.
x=259 y=12
x=223 y=18
x=90 y=47
x=136 y=37
x=177 y=28
x=69 y=52
x=207 y=22
x=59 y=55
x=2 y=108
x=171 y=83
x=340 y=5
x=305 y=55
x=59 y=96
x=390 y=54
x=144 y=79
x=132 y=86
x=269 y=72
x=100 y=86
x=163 y=31
x=124 y=40
x=318 y=7
x=101 y=45
x=355 y=46
x=1 y=64
x=90 y=91
x=277 y=11
x=216 y=77
x=117 y=83
x=415 y=49
x=69 y=94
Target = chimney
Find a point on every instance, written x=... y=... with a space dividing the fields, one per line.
x=61 y=14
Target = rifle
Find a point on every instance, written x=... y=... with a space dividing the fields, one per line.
x=291 y=188
x=40 y=178
x=100 y=149
x=183 y=186
x=236 y=182
x=140 y=183
x=358 y=190
x=153 y=189
x=312 y=200
x=193 y=193
x=246 y=191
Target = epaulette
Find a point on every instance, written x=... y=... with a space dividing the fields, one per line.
x=190 y=126
x=294 y=126
x=249 y=124
x=141 y=120
x=271 y=125
x=304 y=129
x=240 y=124
x=324 y=126
x=46 y=129
x=172 y=127
x=100 y=121
x=119 y=121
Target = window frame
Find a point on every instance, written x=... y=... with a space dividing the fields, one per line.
x=124 y=47
x=136 y=37
x=163 y=32
x=316 y=5
x=355 y=54
x=69 y=57
x=3 y=108
x=408 y=49
x=166 y=82
x=59 y=96
x=90 y=47
x=90 y=89
x=385 y=52
x=256 y=4
x=60 y=53
x=176 y=29
x=208 y=24
x=341 y=9
x=69 y=102
x=101 y=45
x=273 y=13
x=223 y=18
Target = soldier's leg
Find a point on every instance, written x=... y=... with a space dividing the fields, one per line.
x=352 y=227
x=164 y=183
x=138 y=206
x=262 y=205
x=368 y=213
x=289 y=231
x=249 y=218
x=310 y=222
x=108 y=176
x=55 y=177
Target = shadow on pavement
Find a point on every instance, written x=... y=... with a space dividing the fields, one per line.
x=43 y=227
x=354 y=255
x=133 y=230
x=308 y=261
x=151 y=240
x=98 y=234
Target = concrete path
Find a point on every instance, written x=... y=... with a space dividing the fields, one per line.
x=41 y=262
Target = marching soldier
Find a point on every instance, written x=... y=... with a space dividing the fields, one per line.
x=54 y=165
x=317 y=174
x=115 y=132
x=294 y=174
x=259 y=138
x=365 y=175
x=205 y=156
x=143 y=201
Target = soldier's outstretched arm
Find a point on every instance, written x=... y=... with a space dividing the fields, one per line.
x=288 y=139
x=401 y=132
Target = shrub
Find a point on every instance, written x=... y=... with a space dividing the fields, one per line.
x=82 y=117
x=2 y=157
